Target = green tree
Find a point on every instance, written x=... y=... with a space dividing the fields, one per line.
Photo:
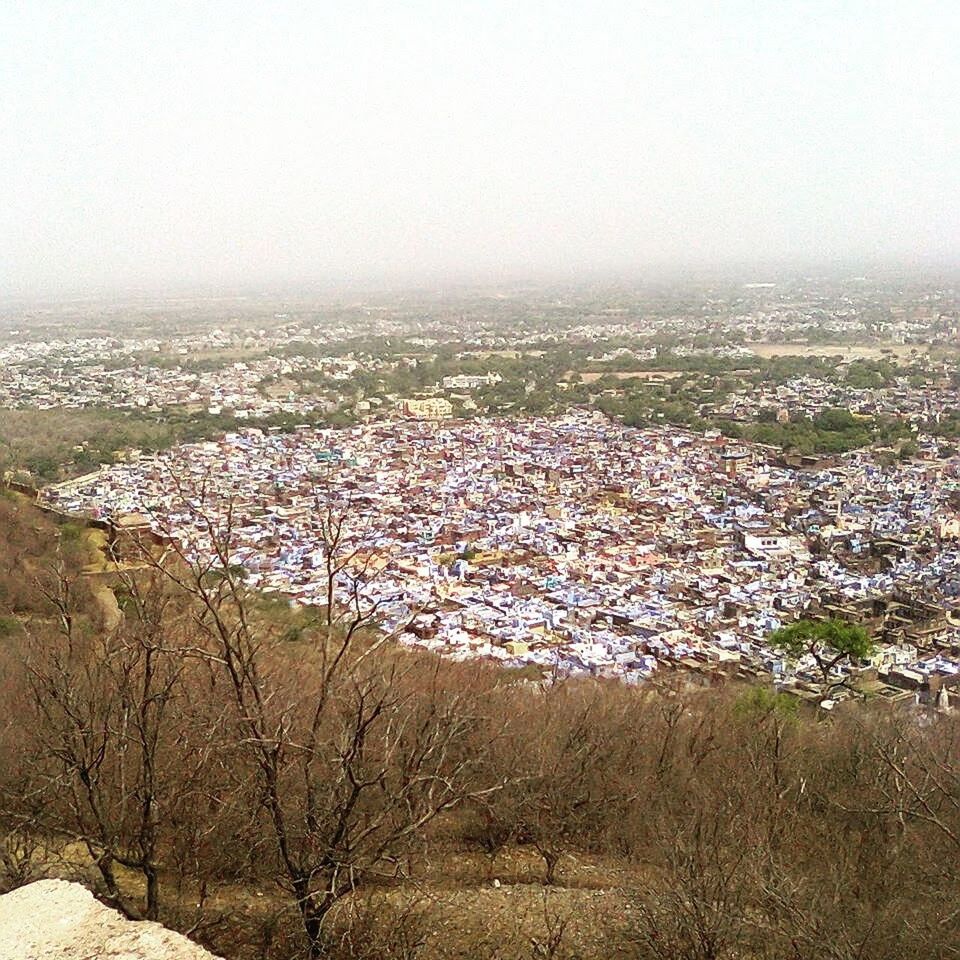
x=908 y=450
x=829 y=642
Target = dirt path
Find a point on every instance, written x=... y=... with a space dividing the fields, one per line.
x=107 y=601
x=853 y=351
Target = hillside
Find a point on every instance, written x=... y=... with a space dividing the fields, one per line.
x=283 y=782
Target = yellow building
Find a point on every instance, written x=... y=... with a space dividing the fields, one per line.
x=516 y=648
x=432 y=408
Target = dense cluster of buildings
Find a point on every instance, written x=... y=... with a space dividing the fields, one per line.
x=428 y=408
x=578 y=545
x=920 y=403
x=465 y=381
x=571 y=543
x=101 y=373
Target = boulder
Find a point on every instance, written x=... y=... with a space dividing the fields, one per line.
x=57 y=920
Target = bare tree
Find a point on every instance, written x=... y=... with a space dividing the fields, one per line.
x=921 y=764
x=115 y=757
x=492 y=826
x=24 y=857
x=554 y=942
x=565 y=790
x=354 y=746
x=819 y=919
x=699 y=908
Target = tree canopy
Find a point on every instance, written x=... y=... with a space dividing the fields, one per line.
x=829 y=642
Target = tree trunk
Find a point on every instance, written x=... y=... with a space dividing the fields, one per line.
x=153 y=893
x=551 y=858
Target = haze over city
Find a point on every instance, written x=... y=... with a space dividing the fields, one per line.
x=171 y=146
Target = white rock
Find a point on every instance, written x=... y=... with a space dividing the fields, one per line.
x=56 y=920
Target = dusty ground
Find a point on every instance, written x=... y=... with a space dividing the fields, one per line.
x=225 y=354
x=874 y=351
x=512 y=922
x=107 y=601
x=593 y=375
x=454 y=908
x=512 y=354
x=460 y=911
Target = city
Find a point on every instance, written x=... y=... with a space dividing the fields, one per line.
x=479 y=481
x=618 y=488
x=578 y=545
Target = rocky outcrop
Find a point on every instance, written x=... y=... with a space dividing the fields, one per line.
x=56 y=920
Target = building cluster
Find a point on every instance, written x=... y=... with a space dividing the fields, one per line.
x=464 y=381
x=577 y=545
x=428 y=408
x=95 y=372
x=920 y=403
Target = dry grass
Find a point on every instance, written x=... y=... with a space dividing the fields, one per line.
x=853 y=351
x=462 y=915
x=594 y=375
x=449 y=904
x=222 y=354
x=509 y=354
x=96 y=543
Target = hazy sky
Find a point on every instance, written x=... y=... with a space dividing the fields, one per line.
x=161 y=143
